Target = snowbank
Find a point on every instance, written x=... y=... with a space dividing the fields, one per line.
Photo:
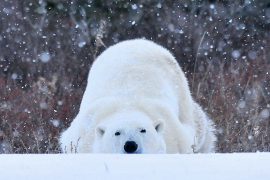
x=89 y=166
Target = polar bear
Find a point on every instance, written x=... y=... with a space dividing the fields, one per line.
x=137 y=100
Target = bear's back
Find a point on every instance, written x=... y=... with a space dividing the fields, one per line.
x=136 y=67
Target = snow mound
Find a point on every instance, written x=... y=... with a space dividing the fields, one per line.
x=242 y=166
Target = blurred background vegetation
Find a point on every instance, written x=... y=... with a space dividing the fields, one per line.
x=47 y=47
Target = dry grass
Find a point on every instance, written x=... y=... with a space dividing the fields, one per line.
x=237 y=98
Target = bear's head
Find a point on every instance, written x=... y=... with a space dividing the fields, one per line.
x=129 y=132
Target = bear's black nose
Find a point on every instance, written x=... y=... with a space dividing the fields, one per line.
x=130 y=146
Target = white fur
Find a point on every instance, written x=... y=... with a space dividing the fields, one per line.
x=138 y=84
x=129 y=124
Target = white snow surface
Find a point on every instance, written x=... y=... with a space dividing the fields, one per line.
x=238 y=166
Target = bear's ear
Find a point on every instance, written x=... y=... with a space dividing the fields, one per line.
x=100 y=131
x=159 y=127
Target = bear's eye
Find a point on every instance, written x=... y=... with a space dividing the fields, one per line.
x=117 y=133
x=143 y=131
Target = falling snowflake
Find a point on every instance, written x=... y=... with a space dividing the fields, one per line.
x=45 y=57
x=236 y=54
x=55 y=122
x=264 y=114
x=82 y=44
x=43 y=105
x=252 y=55
x=14 y=76
x=242 y=104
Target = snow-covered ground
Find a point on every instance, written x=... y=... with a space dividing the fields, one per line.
x=244 y=166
